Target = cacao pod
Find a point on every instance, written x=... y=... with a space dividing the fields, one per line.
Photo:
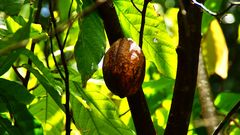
x=124 y=67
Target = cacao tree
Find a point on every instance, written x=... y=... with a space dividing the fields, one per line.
x=119 y=67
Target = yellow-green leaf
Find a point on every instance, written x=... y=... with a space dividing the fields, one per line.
x=215 y=51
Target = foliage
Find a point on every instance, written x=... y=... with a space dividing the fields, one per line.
x=39 y=107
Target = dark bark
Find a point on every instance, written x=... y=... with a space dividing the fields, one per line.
x=111 y=22
x=189 y=23
x=137 y=102
x=140 y=114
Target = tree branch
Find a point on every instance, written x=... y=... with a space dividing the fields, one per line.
x=189 y=24
x=205 y=97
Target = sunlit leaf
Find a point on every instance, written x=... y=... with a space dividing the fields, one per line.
x=158 y=46
x=236 y=131
x=225 y=101
x=97 y=114
x=90 y=46
x=12 y=25
x=171 y=22
x=156 y=91
x=17 y=40
x=48 y=112
x=160 y=119
x=215 y=51
x=47 y=85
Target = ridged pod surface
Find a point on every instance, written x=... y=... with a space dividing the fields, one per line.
x=124 y=67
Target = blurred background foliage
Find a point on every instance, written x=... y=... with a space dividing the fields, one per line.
x=95 y=109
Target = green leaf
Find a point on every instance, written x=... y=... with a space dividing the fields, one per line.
x=64 y=9
x=156 y=91
x=13 y=90
x=47 y=111
x=225 y=101
x=6 y=126
x=158 y=46
x=95 y=114
x=6 y=63
x=47 y=85
x=46 y=72
x=24 y=121
x=47 y=79
x=3 y=107
x=11 y=7
x=214 y=6
x=19 y=39
x=90 y=46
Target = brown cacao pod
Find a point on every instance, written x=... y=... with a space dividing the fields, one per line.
x=124 y=67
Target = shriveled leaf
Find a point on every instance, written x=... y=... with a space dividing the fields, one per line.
x=95 y=113
x=13 y=90
x=215 y=51
x=158 y=46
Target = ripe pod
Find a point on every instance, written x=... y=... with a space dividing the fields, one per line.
x=124 y=67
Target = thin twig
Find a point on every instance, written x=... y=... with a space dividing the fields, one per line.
x=66 y=79
x=136 y=6
x=124 y=113
x=54 y=57
x=204 y=8
x=215 y=14
x=68 y=30
x=17 y=73
x=143 y=22
x=227 y=118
